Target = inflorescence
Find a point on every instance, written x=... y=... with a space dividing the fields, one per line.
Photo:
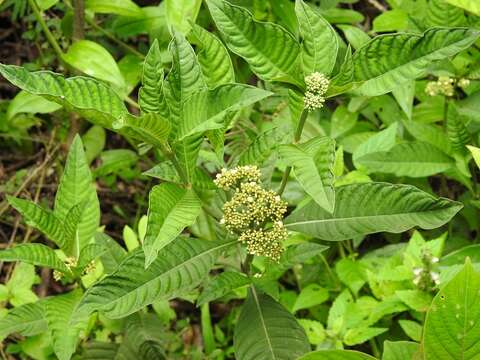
x=445 y=86
x=317 y=86
x=254 y=213
x=425 y=278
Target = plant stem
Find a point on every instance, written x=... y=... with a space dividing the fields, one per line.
x=247 y=264
x=296 y=139
x=375 y=350
x=168 y=153
x=78 y=20
x=50 y=38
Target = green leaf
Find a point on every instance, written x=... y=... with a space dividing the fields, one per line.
x=355 y=36
x=475 y=151
x=151 y=128
x=166 y=172
x=58 y=313
x=114 y=254
x=336 y=355
x=76 y=187
x=206 y=109
x=221 y=285
x=384 y=207
x=381 y=141
x=213 y=57
x=187 y=152
x=90 y=98
x=391 y=20
x=399 y=350
x=320 y=42
x=181 y=13
x=441 y=13
x=35 y=254
x=270 y=50
x=40 y=218
x=360 y=335
x=310 y=296
x=413 y=159
x=469 y=5
x=313 y=167
x=452 y=325
x=388 y=61
x=412 y=329
x=315 y=331
x=351 y=273
x=88 y=254
x=266 y=330
x=263 y=146
x=456 y=130
x=151 y=94
x=184 y=78
x=171 y=209
x=25 y=102
x=415 y=299
x=27 y=320
x=94 y=142
x=120 y=7
x=180 y=266
x=94 y=60
x=429 y=133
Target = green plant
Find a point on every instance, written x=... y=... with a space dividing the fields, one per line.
x=320 y=172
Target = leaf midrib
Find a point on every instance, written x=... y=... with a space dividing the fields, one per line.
x=262 y=321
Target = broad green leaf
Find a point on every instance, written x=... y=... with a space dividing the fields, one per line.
x=213 y=57
x=35 y=254
x=405 y=95
x=388 y=61
x=99 y=350
x=456 y=129
x=413 y=159
x=94 y=142
x=181 y=13
x=475 y=151
x=355 y=36
x=384 y=207
x=469 y=5
x=320 y=42
x=351 y=273
x=117 y=161
x=58 y=313
x=166 y=171
x=416 y=299
x=184 y=78
x=336 y=355
x=114 y=254
x=315 y=331
x=206 y=109
x=88 y=97
x=151 y=94
x=342 y=121
x=441 y=13
x=343 y=81
x=144 y=337
x=266 y=330
x=27 y=320
x=25 y=102
x=399 y=350
x=412 y=329
x=221 y=285
x=119 y=7
x=429 y=133
x=263 y=145
x=381 y=141
x=452 y=325
x=313 y=167
x=187 y=152
x=94 y=60
x=151 y=128
x=360 y=335
x=76 y=187
x=40 y=218
x=391 y=20
x=180 y=266
x=310 y=296
x=271 y=51
x=171 y=209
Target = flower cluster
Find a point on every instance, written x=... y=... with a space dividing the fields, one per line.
x=253 y=212
x=425 y=278
x=444 y=86
x=317 y=86
x=70 y=262
x=231 y=179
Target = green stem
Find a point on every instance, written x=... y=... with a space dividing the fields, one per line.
x=296 y=139
x=341 y=250
x=50 y=38
x=246 y=266
x=168 y=153
x=375 y=350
